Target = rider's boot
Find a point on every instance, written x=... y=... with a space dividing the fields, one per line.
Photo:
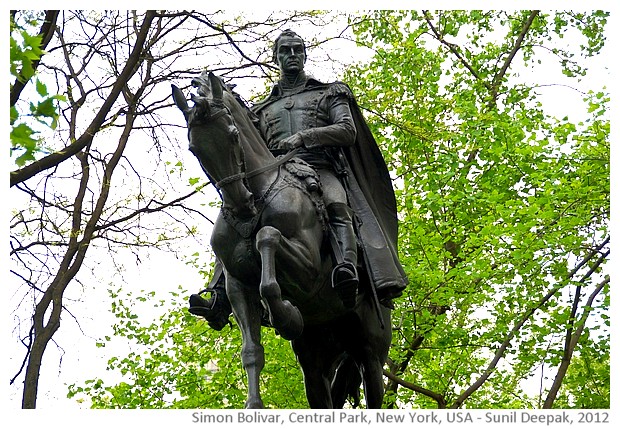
x=216 y=309
x=344 y=275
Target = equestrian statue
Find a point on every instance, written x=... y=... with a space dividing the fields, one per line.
x=306 y=238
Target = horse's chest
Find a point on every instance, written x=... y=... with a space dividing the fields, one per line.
x=233 y=249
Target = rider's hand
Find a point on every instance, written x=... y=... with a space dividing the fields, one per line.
x=290 y=143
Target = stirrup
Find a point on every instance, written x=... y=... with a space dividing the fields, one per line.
x=197 y=302
x=210 y=309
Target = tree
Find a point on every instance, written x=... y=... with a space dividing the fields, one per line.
x=504 y=207
x=178 y=361
x=87 y=189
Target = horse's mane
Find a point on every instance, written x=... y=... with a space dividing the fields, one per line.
x=204 y=103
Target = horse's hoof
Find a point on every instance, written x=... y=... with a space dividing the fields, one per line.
x=294 y=326
x=254 y=404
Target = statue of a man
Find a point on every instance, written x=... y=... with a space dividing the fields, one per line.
x=323 y=122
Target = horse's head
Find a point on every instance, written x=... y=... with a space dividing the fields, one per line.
x=214 y=140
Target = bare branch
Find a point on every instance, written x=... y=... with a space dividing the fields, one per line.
x=50 y=161
x=571 y=343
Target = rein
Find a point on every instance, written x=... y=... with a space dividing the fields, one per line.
x=225 y=181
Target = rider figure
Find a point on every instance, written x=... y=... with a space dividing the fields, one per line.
x=323 y=121
x=302 y=113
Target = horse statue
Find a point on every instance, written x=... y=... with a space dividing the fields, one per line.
x=271 y=238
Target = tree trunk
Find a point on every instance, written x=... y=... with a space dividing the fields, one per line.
x=70 y=266
x=42 y=335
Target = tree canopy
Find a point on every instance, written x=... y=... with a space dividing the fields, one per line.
x=498 y=145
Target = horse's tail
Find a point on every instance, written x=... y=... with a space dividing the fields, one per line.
x=346 y=383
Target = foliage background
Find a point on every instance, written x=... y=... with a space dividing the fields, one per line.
x=503 y=194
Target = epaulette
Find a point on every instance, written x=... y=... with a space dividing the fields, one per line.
x=340 y=88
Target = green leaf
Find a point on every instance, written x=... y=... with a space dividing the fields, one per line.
x=41 y=88
x=21 y=135
x=14 y=114
x=46 y=108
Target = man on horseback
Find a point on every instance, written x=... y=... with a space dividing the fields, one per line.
x=323 y=123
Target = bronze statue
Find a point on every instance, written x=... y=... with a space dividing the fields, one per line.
x=325 y=122
x=304 y=184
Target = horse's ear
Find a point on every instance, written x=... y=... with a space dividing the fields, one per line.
x=180 y=100
x=217 y=91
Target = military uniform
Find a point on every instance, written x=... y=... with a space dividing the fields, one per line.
x=337 y=141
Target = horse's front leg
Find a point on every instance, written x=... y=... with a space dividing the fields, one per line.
x=247 y=309
x=284 y=316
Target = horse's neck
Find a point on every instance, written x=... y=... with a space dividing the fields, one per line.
x=256 y=154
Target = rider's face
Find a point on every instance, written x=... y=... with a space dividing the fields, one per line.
x=290 y=55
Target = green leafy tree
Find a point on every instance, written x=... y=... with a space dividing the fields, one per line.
x=26 y=51
x=504 y=206
x=178 y=361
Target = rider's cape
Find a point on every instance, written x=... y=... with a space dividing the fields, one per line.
x=371 y=196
